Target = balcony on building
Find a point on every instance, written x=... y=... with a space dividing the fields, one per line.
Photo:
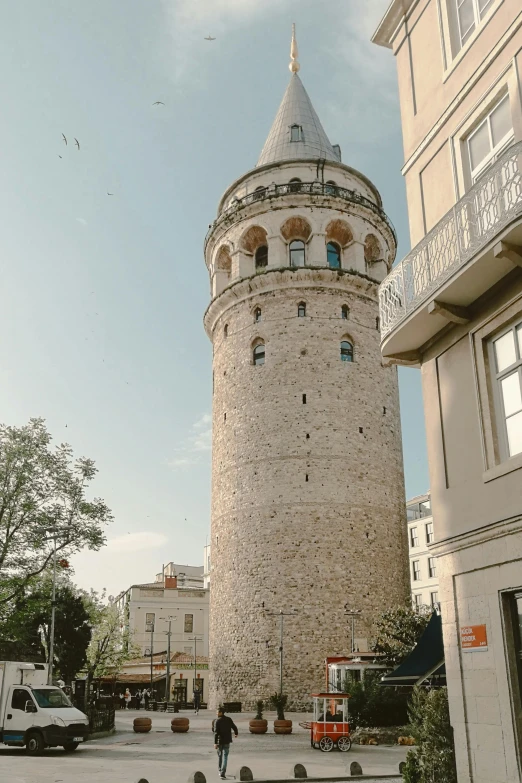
x=466 y=254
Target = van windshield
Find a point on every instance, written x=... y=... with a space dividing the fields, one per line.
x=51 y=697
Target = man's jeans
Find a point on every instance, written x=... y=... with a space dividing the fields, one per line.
x=222 y=752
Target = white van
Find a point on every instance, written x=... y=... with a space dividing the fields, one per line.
x=34 y=714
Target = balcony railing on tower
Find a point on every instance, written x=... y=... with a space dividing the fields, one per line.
x=488 y=207
x=304 y=188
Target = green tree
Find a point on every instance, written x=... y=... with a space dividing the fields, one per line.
x=26 y=626
x=42 y=488
x=111 y=643
x=397 y=632
x=373 y=704
x=433 y=758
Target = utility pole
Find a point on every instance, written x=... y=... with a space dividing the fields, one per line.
x=353 y=613
x=281 y=616
x=195 y=639
x=53 y=532
x=170 y=618
x=151 y=659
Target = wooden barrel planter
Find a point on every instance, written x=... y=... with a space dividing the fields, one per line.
x=142 y=725
x=258 y=726
x=179 y=725
x=283 y=726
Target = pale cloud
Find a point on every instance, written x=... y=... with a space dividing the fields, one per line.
x=190 y=21
x=136 y=542
x=197 y=443
x=82 y=221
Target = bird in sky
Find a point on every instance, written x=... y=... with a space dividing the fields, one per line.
x=209 y=38
x=65 y=140
x=77 y=143
x=109 y=194
x=158 y=103
x=60 y=157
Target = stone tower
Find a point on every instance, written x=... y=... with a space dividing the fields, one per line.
x=308 y=506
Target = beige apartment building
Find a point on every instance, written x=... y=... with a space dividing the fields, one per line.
x=423 y=563
x=453 y=307
x=151 y=609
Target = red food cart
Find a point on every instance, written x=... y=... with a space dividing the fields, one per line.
x=330 y=727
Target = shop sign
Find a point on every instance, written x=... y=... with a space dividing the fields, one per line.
x=473 y=638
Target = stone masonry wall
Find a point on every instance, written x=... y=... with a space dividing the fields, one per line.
x=308 y=506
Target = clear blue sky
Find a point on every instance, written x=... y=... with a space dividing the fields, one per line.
x=103 y=296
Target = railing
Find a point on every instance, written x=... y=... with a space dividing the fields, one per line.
x=490 y=205
x=306 y=188
x=100 y=719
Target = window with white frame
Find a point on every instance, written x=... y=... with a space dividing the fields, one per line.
x=417 y=598
x=414 y=538
x=150 y=619
x=429 y=532
x=434 y=598
x=507 y=366
x=470 y=14
x=490 y=138
x=432 y=567
x=415 y=566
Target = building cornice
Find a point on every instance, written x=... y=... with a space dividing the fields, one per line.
x=477 y=537
x=397 y=10
x=284 y=278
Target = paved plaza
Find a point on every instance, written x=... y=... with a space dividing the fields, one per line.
x=164 y=757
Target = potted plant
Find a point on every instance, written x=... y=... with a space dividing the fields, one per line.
x=258 y=725
x=281 y=726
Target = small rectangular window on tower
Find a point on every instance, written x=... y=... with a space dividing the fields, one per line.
x=304 y=399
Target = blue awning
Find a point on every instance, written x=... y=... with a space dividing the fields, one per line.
x=426 y=660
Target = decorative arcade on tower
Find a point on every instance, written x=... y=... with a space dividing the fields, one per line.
x=308 y=502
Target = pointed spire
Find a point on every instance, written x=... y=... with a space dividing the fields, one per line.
x=294 y=54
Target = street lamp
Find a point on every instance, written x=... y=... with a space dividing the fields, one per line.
x=281 y=616
x=53 y=532
x=353 y=613
x=151 y=650
x=195 y=639
x=169 y=619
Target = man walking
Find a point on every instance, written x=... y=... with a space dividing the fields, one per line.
x=197 y=700
x=223 y=728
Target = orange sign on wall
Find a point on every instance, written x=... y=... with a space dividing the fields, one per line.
x=473 y=638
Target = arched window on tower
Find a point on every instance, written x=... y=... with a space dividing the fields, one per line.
x=333 y=255
x=295 y=185
x=330 y=188
x=346 y=351
x=257 y=315
x=259 y=193
x=296 y=133
x=258 y=354
x=225 y=330
x=301 y=309
x=261 y=257
x=345 y=312
x=297 y=253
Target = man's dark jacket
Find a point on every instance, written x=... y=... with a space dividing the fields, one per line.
x=223 y=728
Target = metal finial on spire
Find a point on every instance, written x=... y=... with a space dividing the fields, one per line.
x=294 y=65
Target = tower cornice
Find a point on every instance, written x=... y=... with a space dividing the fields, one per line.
x=307 y=278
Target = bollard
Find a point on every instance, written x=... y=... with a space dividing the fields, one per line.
x=197 y=777
x=142 y=780
x=245 y=773
x=355 y=768
x=299 y=771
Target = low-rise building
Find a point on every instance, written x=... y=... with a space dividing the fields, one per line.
x=423 y=565
x=153 y=609
x=186 y=671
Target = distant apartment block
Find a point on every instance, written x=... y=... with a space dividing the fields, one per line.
x=423 y=565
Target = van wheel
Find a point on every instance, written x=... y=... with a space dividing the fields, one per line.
x=69 y=746
x=34 y=744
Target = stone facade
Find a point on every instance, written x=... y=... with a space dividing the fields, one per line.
x=308 y=500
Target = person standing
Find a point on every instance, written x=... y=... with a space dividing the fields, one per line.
x=197 y=700
x=128 y=699
x=146 y=697
x=137 y=697
x=223 y=728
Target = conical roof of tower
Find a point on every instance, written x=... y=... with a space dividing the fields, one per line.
x=296 y=109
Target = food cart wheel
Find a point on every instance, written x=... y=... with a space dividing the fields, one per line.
x=344 y=744
x=326 y=744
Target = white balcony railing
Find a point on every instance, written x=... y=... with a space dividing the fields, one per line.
x=491 y=204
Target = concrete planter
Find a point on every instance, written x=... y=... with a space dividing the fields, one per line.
x=142 y=725
x=179 y=725
x=283 y=726
x=258 y=726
